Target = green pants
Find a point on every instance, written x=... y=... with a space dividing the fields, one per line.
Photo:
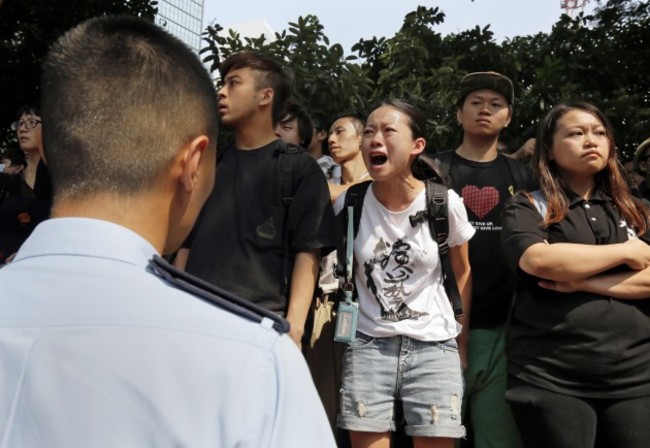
x=484 y=406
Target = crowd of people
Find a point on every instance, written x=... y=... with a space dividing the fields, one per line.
x=487 y=298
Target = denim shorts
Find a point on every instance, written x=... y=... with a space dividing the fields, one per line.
x=426 y=376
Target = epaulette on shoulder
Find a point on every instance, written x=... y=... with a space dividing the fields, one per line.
x=216 y=296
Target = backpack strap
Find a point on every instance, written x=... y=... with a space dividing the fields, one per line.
x=443 y=161
x=539 y=201
x=286 y=163
x=437 y=213
x=286 y=168
x=520 y=176
x=354 y=197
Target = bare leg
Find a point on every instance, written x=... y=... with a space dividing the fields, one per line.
x=433 y=442
x=361 y=439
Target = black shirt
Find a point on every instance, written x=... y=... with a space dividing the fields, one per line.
x=22 y=208
x=485 y=187
x=237 y=243
x=577 y=343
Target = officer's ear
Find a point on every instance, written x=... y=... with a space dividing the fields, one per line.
x=190 y=162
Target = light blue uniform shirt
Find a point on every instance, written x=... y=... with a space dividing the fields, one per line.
x=97 y=352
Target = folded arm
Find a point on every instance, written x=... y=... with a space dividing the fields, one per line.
x=566 y=262
x=631 y=285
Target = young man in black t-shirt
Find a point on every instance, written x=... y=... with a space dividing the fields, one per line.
x=485 y=180
x=248 y=240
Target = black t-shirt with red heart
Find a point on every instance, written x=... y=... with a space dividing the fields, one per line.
x=485 y=187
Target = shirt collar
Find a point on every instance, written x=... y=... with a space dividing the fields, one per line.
x=597 y=196
x=87 y=237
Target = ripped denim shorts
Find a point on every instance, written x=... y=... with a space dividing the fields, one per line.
x=425 y=376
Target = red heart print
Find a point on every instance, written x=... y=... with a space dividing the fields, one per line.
x=480 y=201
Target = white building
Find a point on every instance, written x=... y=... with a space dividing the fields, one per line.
x=252 y=29
x=183 y=19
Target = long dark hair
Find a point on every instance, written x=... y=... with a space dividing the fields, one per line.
x=609 y=179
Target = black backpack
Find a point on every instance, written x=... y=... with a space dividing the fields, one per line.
x=436 y=213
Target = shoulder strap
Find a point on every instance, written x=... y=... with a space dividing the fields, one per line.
x=539 y=201
x=519 y=174
x=286 y=164
x=216 y=296
x=437 y=214
x=443 y=163
x=354 y=197
x=438 y=209
x=286 y=167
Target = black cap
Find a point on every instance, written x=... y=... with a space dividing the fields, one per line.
x=487 y=80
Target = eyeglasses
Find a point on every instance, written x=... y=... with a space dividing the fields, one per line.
x=29 y=124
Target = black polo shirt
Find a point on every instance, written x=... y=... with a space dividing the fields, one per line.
x=577 y=343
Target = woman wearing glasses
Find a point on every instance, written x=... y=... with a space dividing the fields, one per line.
x=27 y=197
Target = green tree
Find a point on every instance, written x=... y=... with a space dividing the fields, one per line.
x=27 y=28
x=601 y=57
x=325 y=79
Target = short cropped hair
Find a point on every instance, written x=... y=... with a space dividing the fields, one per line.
x=358 y=123
x=120 y=97
x=305 y=126
x=268 y=73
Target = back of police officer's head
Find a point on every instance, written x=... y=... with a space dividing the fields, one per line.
x=121 y=97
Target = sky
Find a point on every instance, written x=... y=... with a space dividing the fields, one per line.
x=347 y=21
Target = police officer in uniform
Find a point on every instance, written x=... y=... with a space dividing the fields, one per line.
x=102 y=344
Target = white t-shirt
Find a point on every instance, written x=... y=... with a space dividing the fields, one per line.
x=398 y=274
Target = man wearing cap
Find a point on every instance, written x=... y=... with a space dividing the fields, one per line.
x=486 y=179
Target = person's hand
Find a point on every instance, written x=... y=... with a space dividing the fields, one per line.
x=296 y=333
x=565 y=287
x=463 y=346
x=637 y=254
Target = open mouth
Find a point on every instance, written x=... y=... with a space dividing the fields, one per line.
x=378 y=159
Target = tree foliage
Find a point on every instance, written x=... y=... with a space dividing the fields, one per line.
x=601 y=57
x=28 y=28
x=325 y=78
